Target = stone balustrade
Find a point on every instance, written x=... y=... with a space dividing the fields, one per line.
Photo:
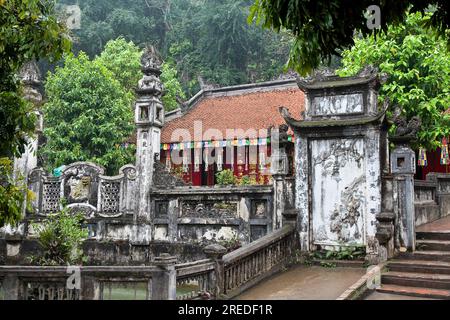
x=89 y=282
x=432 y=198
x=256 y=261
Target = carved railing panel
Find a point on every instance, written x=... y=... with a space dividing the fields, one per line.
x=424 y=192
x=50 y=290
x=86 y=190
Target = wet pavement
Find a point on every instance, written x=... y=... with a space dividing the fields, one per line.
x=441 y=225
x=305 y=283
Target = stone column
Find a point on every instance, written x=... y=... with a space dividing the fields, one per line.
x=216 y=252
x=280 y=171
x=403 y=168
x=164 y=286
x=149 y=119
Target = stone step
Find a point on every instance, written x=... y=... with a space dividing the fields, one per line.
x=433 y=245
x=419 y=266
x=423 y=280
x=415 y=291
x=433 y=235
x=426 y=255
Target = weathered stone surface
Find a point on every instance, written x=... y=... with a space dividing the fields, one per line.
x=338 y=173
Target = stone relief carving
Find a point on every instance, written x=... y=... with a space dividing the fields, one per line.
x=405 y=129
x=162 y=178
x=344 y=218
x=338 y=104
x=208 y=209
x=259 y=208
x=339 y=154
x=80 y=181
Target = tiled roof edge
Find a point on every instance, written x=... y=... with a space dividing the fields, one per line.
x=244 y=88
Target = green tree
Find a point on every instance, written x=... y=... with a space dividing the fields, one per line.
x=209 y=38
x=122 y=58
x=28 y=30
x=417 y=62
x=172 y=87
x=13 y=194
x=324 y=28
x=88 y=116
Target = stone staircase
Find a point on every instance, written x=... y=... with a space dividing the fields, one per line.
x=424 y=273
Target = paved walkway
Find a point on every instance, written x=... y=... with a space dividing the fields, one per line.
x=441 y=225
x=305 y=283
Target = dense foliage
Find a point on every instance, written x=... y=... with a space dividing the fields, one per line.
x=323 y=28
x=61 y=237
x=13 y=194
x=88 y=116
x=201 y=38
x=28 y=30
x=122 y=58
x=418 y=64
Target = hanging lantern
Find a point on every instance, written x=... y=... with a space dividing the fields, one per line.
x=422 y=161
x=445 y=159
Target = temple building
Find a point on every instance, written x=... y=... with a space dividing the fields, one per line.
x=229 y=128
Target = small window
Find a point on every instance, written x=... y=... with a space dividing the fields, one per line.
x=400 y=162
x=143 y=113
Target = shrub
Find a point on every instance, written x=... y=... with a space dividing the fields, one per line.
x=61 y=236
x=225 y=177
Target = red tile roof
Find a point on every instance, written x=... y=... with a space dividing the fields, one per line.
x=253 y=111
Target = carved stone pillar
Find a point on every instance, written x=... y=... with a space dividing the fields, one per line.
x=164 y=286
x=403 y=169
x=149 y=119
x=215 y=252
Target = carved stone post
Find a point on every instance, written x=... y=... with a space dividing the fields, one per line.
x=283 y=191
x=11 y=286
x=215 y=252
x=403 y=168
x=149 y=118
x=164 y=286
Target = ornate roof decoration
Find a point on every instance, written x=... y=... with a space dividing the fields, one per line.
x=150 y=84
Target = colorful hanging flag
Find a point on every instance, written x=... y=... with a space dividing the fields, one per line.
x=197 y=157
x=220 y=160
x=185 y=162
x=206 y=158
x=168 y=162
x=422 y=161
x=445 y=159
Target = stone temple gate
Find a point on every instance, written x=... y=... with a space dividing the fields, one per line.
x=338 y=162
